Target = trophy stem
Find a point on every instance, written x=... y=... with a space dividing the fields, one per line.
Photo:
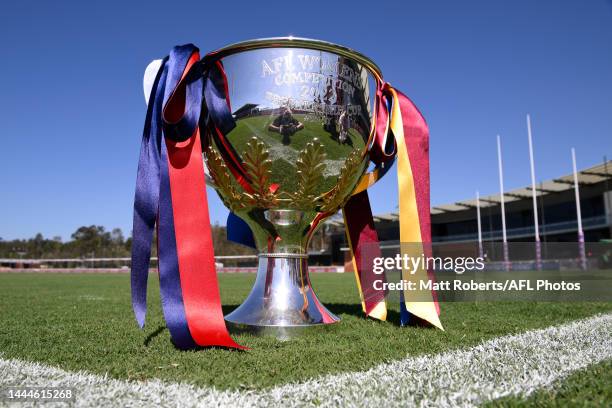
x=282 y=301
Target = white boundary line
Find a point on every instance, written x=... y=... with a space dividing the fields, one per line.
x=509 y=365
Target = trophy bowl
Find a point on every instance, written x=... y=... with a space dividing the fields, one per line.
x=304 y=114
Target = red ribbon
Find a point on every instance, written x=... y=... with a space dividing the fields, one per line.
x=194 y=244
x=364 y=245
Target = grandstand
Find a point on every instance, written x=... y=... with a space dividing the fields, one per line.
x=456 y=222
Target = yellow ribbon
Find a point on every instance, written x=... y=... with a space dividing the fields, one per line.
x=410 y=229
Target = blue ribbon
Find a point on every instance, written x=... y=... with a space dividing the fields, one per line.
x=405 y=315
x=214 y=94
x=238 y=231
x=146 y=198
x=153 y=199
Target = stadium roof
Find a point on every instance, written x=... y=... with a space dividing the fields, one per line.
x=591 y=175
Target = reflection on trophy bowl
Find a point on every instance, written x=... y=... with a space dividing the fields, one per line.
x=303 y=111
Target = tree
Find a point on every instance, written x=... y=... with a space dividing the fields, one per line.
x=117 y=236
x=92 y=240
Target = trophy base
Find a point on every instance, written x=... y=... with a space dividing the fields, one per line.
x=282 y=333
x=282 y=302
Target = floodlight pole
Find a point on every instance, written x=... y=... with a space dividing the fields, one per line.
x=503 y=207
x=583 y=263
x=480 y=252
x=538 y=248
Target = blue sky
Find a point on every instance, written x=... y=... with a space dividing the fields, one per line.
x=72 y=109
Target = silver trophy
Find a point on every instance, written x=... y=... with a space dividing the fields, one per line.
x=304 y=113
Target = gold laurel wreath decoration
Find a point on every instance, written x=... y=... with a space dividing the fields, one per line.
x=258 y=168
x=310 y=167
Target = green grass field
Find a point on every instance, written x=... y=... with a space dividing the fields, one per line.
x=85 y=322
x=585 y=388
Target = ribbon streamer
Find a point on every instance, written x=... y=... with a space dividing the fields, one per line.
x=363 y=244
x=412 y=138
x=169 y=181
x=397 y=116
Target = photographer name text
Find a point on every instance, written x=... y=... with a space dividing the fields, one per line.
x=505 y=285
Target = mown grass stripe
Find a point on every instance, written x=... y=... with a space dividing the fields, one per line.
x=509 y=365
